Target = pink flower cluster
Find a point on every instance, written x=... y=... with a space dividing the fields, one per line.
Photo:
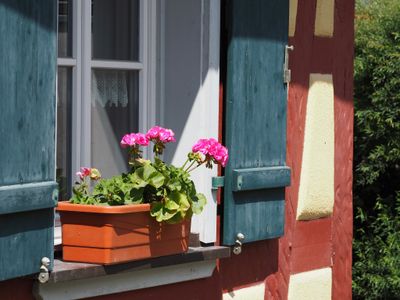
x=161 y=134
x=134 y=139
x=93 y=173
x=156 y=134
x=83 y=173
x=211 y=148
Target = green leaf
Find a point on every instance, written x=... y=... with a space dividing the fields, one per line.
x=177 y=218
x=160 y=212
x=149 y=175
x=137 y=181
x=171 y=205
x=156 y=209
x=174 y=185
x=180 y=199
x=198 y=203
x=135 y=196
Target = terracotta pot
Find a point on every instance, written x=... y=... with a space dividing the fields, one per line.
x=114 y=234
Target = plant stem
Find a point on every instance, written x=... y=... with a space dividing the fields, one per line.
x=192 y=163
x=195 y=167
x=185 y=163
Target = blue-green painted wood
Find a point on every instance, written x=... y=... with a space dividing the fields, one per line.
x=29 y=196
x=24 y=239
x=255 y=115
x=27 y=90
x=28 y=57
x=260 y=178
x=217 y=182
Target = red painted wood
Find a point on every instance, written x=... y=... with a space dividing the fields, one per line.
x=257 y=261
x=313 y=232
x=312 y=245
x=311 y=257
x=342 y=232
x=16 y=289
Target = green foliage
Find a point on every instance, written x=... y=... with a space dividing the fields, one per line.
x=376 y=269
x=377 y=150
x=169 y=190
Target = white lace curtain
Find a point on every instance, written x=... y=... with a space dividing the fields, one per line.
x=109 y=88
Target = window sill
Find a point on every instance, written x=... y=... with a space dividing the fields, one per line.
x=78 y=280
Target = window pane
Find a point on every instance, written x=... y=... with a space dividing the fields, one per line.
x=63 y=172
x=115 y=29
x=114 y=113
x=65 y=28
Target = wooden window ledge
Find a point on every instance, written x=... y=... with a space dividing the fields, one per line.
x=70 y=280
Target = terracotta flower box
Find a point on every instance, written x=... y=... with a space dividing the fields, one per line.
x=114 y=234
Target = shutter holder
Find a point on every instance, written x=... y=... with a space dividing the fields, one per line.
x=217 y=182
x=44 y=270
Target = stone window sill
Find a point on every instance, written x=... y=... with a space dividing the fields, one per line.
x=78 y=280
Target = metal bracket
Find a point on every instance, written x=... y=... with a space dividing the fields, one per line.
x=237 y=249
x=287 y=73
x=217 y=182
x=43 y=276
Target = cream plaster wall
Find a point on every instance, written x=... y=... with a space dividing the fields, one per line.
x=292 y=17
x=255 y=292
x=316 y=192
x=324 y=18
x=311 y=285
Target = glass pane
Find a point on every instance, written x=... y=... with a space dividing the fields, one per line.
x=65 y=28
x=115 y=107
x=115 y=29
x=63 y=172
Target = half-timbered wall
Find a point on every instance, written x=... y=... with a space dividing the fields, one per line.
x=313 y=258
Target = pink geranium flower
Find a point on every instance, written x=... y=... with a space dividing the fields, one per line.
x=141 y=139
x=134 y=139
x=160 y=134
x=212 y=149
x=83 y=173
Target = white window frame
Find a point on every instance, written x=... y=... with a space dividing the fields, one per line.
x=151 y=109
x=82 y=64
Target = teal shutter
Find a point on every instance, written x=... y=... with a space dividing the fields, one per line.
x=28 y=191
x=256 y=96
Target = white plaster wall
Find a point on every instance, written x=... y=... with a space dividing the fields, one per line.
x=311 y=285
x=316 y=191
x=324 y=18
x=293 y=4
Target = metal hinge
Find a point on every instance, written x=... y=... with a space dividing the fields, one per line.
x=287 y=74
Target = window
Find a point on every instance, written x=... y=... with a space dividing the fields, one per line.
x=127 y=65
x=102 y=76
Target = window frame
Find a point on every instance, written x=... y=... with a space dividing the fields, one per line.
x=82 y=64
x=152 y=98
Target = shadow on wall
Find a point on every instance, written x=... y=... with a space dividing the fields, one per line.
x=257 y=261
x=185 y=67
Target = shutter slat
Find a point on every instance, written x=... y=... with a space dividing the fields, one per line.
x=260 y=178
x=30 y=196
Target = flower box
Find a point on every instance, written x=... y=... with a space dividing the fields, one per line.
x=114 y=234
x=143 y=213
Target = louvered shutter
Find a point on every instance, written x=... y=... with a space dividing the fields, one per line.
x=256 y=97
x=28 y=191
